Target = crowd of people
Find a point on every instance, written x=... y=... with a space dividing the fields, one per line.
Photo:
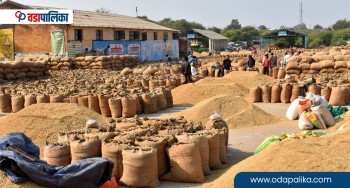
x=270 y=60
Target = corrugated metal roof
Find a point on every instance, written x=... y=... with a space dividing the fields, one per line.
x=210 y=34
x=95 y=19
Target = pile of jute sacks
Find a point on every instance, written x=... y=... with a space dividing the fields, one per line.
x=145 y=151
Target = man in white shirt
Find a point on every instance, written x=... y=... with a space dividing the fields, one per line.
x=285 y=60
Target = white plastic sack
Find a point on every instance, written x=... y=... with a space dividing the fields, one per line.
x=310 y=96
x=304 y=123
x=91 y=123
x=325 y=114
x=292 y=112
x=215 y=116
x=323 y=101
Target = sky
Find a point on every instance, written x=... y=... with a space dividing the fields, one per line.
x=219 y=13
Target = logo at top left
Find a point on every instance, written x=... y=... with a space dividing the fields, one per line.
x=20 y=16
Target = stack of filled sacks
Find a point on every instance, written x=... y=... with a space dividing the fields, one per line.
x=146 y=150
x=129 y=60
x=58 y=63
x=22 y=68
x=312 y=112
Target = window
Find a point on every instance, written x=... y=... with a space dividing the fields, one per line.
x=155 y=36
x=175 y=36
x=99 y=34
x=119 y=35
x=134 y=35
x=78 y=34
x=144 y=35
x=165 y=37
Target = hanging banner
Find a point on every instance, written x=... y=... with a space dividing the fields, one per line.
x=6 y=44
x=57 y=43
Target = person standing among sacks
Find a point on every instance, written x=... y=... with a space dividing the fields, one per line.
x=227 y=65
x=273 y=60
x=186 y=70
x=266 y=64
x=285 y=59
x=251 y=62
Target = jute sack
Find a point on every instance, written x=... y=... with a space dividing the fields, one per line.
x=203 y=145
x=150 y=103
x=84 y=101
x=266 y=93
x=93 y=103
x=85 y=148
x=17 y=103
x=286 y=93
x=276 y=93
x=185 y=164
x=115 y=105
x=57 y=154
x=295 y=92
x=29 y=100
x=140 y=167
x=158 y=144
x=104 y=106
x=214 y=151
x=339 y=96
x=255 y=94
x=112 y=150
x=129 y=106
x=5 y=102
x=42 y=98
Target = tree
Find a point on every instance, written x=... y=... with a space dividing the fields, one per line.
x=215 y=29
x=143 y=17
x=317 y=26
x=262 y=27
x=249 y=33
x=300 y=26
x=318 y=39
x=182 y=25
x=234 y=25
x=341 y=24
x=103 y=10
x=340 y=37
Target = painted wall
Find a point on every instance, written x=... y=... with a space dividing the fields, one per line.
x=35 y=38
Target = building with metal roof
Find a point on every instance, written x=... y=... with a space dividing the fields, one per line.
x=87 y=26
x=207 y=39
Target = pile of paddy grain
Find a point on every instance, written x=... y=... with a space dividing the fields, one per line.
x=249 y=79
x=42 y=122
x=234 y=110
x=206 y=88
x=329 y=153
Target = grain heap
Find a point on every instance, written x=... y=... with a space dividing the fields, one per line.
x=206 y=88
x=294 y=155
x=235 y=111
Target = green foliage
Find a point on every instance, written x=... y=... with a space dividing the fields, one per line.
x=318 y=39
x=318 y=26
x=215 y=29
x=340 y=37
x=300 y=26
x=233 y=25
x=182 y=25
x=262 y=27
x=341 y=24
